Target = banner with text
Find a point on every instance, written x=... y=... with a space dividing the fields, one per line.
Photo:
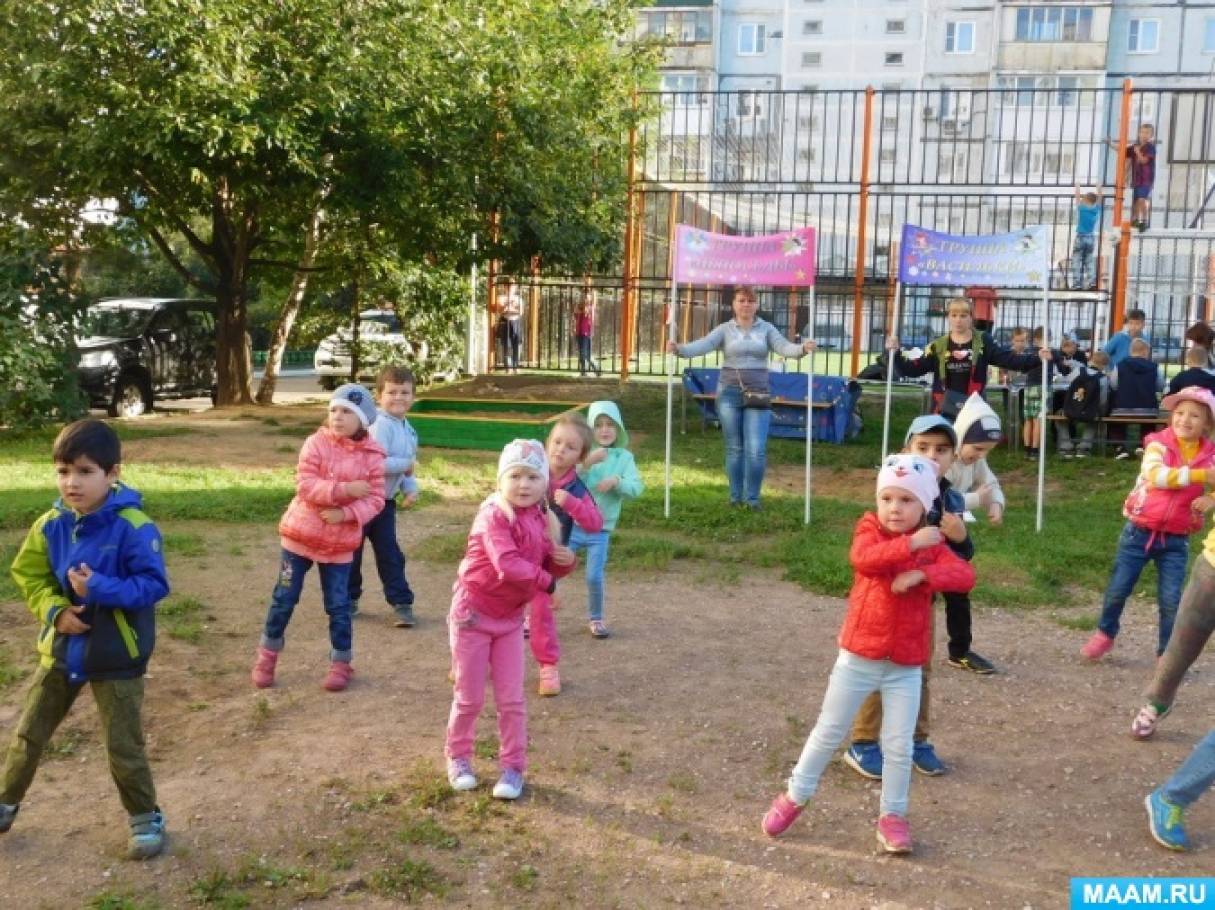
x=1012 y=260
x=782 y=260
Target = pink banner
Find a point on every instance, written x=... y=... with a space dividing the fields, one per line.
x=782 y=260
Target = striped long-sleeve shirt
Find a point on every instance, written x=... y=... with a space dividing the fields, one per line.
x=1158 y=474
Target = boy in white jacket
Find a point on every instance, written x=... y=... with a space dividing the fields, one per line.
x=978 y=429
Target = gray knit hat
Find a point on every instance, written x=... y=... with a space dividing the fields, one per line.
x=357 y=400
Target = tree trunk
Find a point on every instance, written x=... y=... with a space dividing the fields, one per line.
x=291 y=309
x=232 y=353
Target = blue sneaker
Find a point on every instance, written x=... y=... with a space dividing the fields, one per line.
x=147 y=835
x=1165 y=822
x=509 y=785
x=865 y=759
x=924 y=759
x=7 y=814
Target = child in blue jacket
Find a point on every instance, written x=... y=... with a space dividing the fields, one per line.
x=91 y=570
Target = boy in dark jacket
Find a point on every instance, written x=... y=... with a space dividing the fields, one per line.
x=1196 y=372
x=933 y=437
x=1135 y=386
x=91 y=570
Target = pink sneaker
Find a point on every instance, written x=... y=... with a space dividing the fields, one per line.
x=780 y=816
x=338 y=676
x=1144 y=724
x=550 y=680
x=1097 y=646
x=893 y=833
x=263 y=668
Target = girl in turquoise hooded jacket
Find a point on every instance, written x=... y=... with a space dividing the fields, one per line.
x=610 y=473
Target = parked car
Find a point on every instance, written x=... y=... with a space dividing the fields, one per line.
x=378 y=329
x=135 y=350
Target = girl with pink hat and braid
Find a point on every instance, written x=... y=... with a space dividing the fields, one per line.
x=1162 y=511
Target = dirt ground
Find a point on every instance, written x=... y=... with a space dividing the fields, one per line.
x=648 y=776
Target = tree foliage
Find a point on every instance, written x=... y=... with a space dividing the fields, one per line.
x=37 y=358
x=220 y=123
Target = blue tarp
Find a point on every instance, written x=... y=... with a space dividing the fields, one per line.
x=831 y=424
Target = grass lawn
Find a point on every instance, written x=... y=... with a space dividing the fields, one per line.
x=1065 y=565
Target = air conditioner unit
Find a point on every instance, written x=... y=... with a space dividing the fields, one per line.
x=930 y=113
x=954 y=124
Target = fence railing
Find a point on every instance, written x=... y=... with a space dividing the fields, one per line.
x=963 y=161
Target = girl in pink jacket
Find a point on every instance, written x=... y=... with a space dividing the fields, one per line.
x=511 y=560
x=339 y=488
x=569 y=442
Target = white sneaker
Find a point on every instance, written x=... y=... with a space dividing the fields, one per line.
x=509 y=785
x=460 y=774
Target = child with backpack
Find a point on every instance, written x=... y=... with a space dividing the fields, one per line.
x=1135 y=385
x=898 y=562
x=1084 y=403
x=1162 y=511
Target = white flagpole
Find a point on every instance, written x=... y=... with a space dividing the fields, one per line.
x=1046 y=385
x=892 y=329
x=666 y=500
x=809 y=406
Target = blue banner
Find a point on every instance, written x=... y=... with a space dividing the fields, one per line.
x=1142 y=892
x=1017 y=260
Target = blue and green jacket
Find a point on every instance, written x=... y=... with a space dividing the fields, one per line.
x=122 y=547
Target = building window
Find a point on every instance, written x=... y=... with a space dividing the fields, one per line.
x=683 y=85
x=811 y=59
x=1143 y=36
x=896 y=26
x=890 y=122
x=750 y=39
x=887 y=155
x=1208 y=37
x=894 y=59
x=750 y=104
x=1056 y=23
x=681 y=27
x=809 y=154
x=959 y=37
x=812 y=27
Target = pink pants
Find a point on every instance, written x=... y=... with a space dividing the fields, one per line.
x=543 y=625
x=483 y=645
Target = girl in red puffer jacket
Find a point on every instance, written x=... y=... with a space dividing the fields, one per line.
x=898 y=563
x=339 y=488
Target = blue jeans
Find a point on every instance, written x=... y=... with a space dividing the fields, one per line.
x=1169 y=552
x=1195 y=775
x=596 y=546
x=334 y=576
x=1082 y=260
x=746 y=436
x=389 y=560
x=853 y=679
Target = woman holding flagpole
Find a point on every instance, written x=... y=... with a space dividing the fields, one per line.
x=743 y=393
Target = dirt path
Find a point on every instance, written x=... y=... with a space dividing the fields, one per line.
x=649 y=774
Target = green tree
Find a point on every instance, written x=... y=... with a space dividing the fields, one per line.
x=227 y=124
x=37 y=358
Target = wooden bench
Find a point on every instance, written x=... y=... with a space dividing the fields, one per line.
x=1104 y=423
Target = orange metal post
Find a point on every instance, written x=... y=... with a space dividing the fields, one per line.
x=533 y=316
x=491 y=296
x=638 y=240
x=858 y=292
x=892 y=284
x=1118 y=306
x=630 y=227
x=1121 y=264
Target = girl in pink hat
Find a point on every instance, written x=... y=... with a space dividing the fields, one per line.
x=1162 y=511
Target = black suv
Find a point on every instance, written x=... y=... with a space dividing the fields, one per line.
x=134 y=350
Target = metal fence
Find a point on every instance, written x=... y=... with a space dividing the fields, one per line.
x=857 y=165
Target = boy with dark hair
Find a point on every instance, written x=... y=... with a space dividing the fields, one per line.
x=91 y=570
x=1142 y=157
x=1196 y=372
x=1119 y=345
x=933 y=437
x=1135 y=387
x=394 y=389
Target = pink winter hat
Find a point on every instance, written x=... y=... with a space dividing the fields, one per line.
x=1191 y=393
x=916 y=475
